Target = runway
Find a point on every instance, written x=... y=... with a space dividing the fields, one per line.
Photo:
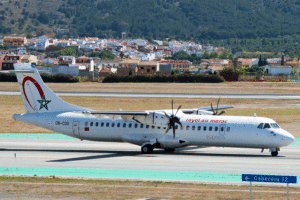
x=72 y=157
x=170 y=95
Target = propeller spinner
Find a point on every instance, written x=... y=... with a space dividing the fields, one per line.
x=172 y=120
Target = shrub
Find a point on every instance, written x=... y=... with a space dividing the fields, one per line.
x=8 y=78
x=155 y=78
x=58 y=78
x=230 y=74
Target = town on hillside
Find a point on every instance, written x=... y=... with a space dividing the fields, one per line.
x=97 y=58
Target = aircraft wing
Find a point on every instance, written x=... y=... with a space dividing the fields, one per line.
x=142 y=113
x=190 y=111
x=155 y=118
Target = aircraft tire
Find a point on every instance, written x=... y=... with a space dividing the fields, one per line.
x=171 y=150
x=147 y=149
x=274 y=153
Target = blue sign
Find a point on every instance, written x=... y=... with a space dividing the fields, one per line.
x=269 y=178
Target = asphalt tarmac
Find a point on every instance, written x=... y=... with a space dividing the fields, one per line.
x=170 y=95
x=66 y=153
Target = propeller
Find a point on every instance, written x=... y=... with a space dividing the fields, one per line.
x=172 y=120
x=216 y=112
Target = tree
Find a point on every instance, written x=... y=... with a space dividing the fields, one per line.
x=260 y=62
x=105 y=55
x=66 y=52
x=282 y=60
x=43 y=18
x=122 y=54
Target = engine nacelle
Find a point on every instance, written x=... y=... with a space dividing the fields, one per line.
x=153 y=119
x=202 y=112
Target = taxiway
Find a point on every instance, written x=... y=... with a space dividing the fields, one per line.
x=66 y=153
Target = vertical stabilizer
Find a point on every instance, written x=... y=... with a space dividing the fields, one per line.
x=37 y=97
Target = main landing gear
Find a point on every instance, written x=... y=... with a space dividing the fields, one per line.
x=147 y=149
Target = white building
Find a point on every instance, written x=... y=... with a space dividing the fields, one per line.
x=68 y=70
x=41 y=43
x=276 y=69
x=21 y=50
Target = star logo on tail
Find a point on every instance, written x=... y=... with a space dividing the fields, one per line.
x=44 y=103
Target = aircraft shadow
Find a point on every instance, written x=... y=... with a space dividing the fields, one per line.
x=112 y=154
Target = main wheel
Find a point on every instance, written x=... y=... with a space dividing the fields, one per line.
x=274 y=153
x=171 y=150
x=146 y=149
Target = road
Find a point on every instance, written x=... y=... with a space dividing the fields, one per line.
x=170 y=95
x=66 y=154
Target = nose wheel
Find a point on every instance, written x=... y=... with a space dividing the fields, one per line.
x=274 y=153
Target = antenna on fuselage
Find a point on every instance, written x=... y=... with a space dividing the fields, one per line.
x=255 y=115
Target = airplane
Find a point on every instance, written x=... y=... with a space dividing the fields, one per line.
x=150 y=128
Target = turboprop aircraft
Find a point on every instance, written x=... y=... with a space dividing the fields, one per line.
x=150 y=128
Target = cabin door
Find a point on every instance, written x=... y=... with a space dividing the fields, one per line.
x=76 y=128
x=222 y=129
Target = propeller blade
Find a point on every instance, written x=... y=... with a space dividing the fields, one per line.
x=167 y=115
x=212 y=108
x=172 y=106
x=222 y=112
x=177 y=110
x=173 y=134
x=167 y=130
x=218 y=105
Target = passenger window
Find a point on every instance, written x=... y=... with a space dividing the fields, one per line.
x=228 y=129
x=97 y=123
x=153 y=127
x=130 y=125
x=187 y=127
x=147 y=126
x=124 y=125
x=118 y=125
x=86 y=123
x=261 y=125
x=199 y=128
x=112 y=124
x=158 y=127
x=267 y=125
x=142 y=125
x=210 y=128
x=91 y=124
x=216 y=128
x=193 y=128
x=135 y=125
x=222 y=129
x=102 y=124
x=176 y=127
x=107 y=124
x=204 y=128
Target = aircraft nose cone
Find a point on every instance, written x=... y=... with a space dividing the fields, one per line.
x=291 y=139
x=288 y=138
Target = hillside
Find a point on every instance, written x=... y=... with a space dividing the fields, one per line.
x=183 y=19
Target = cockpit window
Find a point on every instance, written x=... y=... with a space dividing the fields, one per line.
x=267 y=125
x=261 y=125
x=275 y=125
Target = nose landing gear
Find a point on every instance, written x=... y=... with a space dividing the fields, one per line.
x=274 y=151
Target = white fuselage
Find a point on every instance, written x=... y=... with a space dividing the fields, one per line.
x=200 y=130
